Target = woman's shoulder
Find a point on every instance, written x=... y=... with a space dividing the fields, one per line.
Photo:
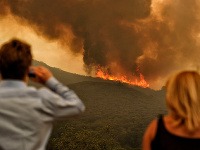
x=151 y=129
x=149 y=134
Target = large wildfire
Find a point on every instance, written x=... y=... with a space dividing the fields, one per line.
x=136 y=80
x=159 y=36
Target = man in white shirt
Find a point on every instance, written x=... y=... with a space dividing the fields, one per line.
x=27 y=113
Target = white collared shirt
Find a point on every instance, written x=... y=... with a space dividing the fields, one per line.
x=27 y=113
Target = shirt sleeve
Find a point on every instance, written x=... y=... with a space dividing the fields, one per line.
x=61 y=101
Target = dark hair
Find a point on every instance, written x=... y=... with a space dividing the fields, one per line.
x=15 y=59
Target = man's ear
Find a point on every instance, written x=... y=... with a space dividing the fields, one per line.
x=26 y=78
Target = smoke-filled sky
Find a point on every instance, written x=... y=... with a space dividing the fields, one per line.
x=158 y=36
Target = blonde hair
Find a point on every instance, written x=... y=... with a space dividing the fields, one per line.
x=183 y=99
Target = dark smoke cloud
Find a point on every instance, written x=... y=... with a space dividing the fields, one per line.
x=3 y=10
x=95 y=23
x=119 y=35
x=174 y=37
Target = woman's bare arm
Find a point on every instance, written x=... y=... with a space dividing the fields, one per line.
x=149 y=135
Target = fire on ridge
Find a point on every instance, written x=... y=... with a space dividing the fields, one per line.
x=137 y=80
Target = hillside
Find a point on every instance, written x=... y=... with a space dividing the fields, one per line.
x=66 y=77
x=115 y=117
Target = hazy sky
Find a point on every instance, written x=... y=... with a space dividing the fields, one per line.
x=158 y=36
x=49 y=51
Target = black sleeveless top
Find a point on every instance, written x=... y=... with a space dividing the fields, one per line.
x=164 y=140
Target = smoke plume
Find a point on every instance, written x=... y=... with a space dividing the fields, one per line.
x=120 y=36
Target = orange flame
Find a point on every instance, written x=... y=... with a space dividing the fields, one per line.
x=135 y=80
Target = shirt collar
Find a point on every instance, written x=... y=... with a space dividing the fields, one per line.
x=13 y=84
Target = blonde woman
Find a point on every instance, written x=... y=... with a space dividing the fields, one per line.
x=180 y=128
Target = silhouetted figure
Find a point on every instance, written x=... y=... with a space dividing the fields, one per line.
x=27 y=113
x=180 y=128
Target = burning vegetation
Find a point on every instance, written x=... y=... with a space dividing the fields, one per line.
x=135 y=79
